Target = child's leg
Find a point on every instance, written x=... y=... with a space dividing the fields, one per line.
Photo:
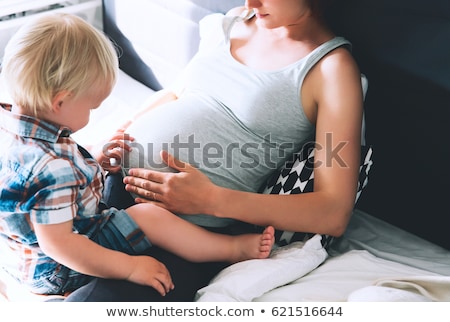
x=194 y=243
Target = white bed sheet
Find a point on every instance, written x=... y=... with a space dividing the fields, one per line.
x=370 y=253
x=391 y=243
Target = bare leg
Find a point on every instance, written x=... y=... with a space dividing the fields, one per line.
x=253 y=246
x=196 y=244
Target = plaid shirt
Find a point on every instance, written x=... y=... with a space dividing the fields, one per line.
x=45 y=178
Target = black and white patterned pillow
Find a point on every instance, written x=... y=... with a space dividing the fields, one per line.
x=297 y=176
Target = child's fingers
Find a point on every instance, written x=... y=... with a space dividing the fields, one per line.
x=112 y=168
x=110 y=159
x=110 y=164
x=166 y=281
x=162 y=283
x=159 y=287
x=121 y=135
x=116 y=146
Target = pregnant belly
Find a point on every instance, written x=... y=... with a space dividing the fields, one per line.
x=200 y=132
x=183 y=127
x=194 y=131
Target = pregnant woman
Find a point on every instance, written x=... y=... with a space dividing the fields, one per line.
x=268 y=78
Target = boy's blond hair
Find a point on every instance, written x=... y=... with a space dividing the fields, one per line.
x=54 y=53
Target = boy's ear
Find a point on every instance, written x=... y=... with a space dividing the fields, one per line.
x=58 y=100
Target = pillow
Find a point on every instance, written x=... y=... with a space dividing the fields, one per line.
x=297 y=176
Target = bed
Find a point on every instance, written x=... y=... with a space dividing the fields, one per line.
x=396 y=247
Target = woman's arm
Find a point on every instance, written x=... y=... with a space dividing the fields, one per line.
x=336 y=93
x=85 y=256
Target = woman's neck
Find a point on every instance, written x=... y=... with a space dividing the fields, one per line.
x=308 y=29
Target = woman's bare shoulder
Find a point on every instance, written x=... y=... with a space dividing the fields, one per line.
x=339 y=61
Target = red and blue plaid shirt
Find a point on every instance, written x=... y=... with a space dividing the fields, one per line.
x=45 y=178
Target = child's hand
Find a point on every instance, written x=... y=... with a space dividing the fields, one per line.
x=109 y=154
x=149 y=271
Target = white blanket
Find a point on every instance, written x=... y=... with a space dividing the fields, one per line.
x=247 y=280
x=434 y=288
x=423 y=288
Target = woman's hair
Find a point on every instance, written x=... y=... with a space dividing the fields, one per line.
x=54 y=53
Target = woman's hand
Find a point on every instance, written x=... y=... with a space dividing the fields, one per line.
x=109 y=154
x=188 y=191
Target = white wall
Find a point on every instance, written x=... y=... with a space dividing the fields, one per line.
x=89 y=10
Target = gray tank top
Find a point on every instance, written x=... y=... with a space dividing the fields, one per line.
x=235 y=123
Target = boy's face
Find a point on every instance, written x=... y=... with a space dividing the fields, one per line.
x=74 y=110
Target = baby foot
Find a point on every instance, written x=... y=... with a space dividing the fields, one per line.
x=254 y=246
